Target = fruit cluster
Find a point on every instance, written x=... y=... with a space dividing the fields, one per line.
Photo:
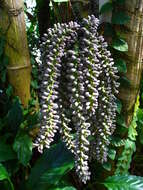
x=78 y=83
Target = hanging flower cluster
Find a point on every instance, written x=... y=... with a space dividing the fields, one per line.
x=78 y=83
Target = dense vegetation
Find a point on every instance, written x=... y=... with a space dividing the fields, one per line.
x=72 y=106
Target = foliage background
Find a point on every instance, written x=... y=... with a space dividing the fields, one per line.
x=22 y=167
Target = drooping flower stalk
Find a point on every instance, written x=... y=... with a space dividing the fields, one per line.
x=106 y=111
x=78 y=84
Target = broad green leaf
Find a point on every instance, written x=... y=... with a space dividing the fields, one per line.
x=6 y=152
x=121 y=65
x=23 y=147
x=5 y=176
x=124 y=182
x=9 y=90
x=3 y=173
x=52 y=176
x=120 y=45
x=107 y=166
x=112 y=154
x=130 y=145
x=120 y=18
x=107 y=7
x=52 y=160
x=34 y=84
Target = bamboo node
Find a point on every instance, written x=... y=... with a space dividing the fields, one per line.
x=18 y=67
x=14 y=11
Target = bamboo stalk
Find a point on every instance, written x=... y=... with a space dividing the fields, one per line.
x=12 y=20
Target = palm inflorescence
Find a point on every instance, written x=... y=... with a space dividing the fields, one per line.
x=78 y=83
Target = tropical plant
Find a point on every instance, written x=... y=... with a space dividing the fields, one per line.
x=77 y=65
x=22 y=167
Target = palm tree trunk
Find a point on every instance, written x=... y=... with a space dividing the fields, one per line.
x=12 y=21
x=134 y=56
x=43 y=14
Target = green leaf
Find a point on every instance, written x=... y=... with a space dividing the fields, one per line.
x=5 y=61
x=117 y=142
x=3 y=173
x=130 y=145
x=121 y=130
x=3 y=76
x=6 y=152
x=120 y=18
x=9 y=91
x=140 y=115
x=23 y=146
x=125 y=158
x=112 y=154
x=107 y=166
x=140 y=124
x=119 y=106
x=64 y=188
x=121 y=125
x=140 y=133
x=51 y=161
x=132 y=133
x=107 y=7
x=124 y=81
x=121 y=65
x=120 y=45
x=124 y=182
x=14 y=116
x=34 y=84
x=5 y=176
x=52 y=176
x=121 y=120
x=142 y=95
